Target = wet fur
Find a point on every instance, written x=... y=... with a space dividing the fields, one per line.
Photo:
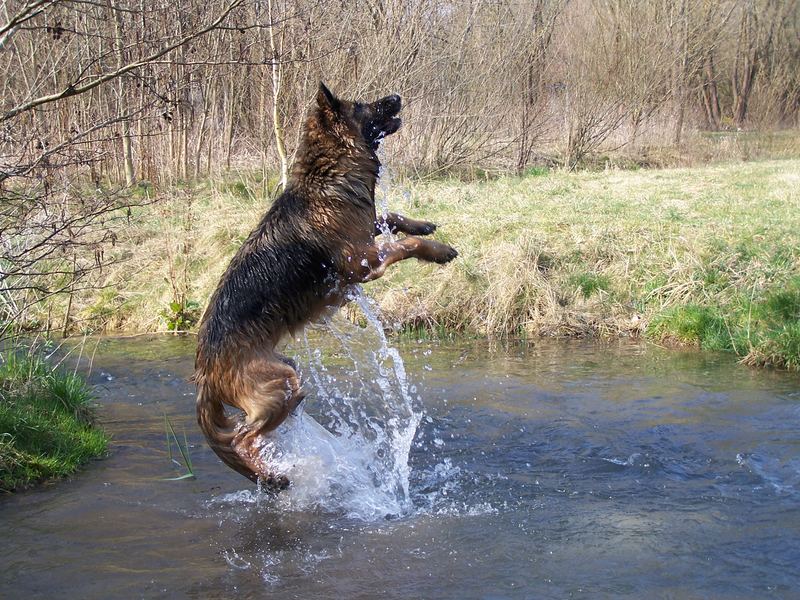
x=316 y=240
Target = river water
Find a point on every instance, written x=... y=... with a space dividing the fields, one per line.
x=548 y=470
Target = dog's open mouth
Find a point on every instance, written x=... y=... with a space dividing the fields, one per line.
x=386 y=121
x=388 y=129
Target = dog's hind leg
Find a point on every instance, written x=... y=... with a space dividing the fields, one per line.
x=270 y=392
x=396 y=223
x=271 y=400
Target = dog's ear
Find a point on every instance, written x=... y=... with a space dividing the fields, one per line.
x=325 y=99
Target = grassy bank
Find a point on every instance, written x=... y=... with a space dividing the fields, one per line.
x=707 y=256
x=46 y=422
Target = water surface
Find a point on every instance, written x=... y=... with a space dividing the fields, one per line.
x=549 y=470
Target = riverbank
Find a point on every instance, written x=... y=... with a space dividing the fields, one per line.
x=46 y=422
x=708 y=256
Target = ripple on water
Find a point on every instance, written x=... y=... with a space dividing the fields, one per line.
x=780 y=476
x=516 y=481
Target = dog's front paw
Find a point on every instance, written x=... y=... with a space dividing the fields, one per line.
x=440 y=253
x=425 y=228
x=448 y=255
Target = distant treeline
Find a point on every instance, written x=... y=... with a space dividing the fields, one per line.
x=160 y=89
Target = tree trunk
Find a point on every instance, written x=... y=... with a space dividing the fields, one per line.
x=711 y=95
x=277 y=124
x=741 y=93
x=127 y=145
x=683 y=75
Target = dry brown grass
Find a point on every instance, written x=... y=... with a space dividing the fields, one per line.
x=598 y=253
x=558 y=254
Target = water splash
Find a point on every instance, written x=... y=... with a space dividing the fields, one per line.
x=385 y=182
x=357 y=463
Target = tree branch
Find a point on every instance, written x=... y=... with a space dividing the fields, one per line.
x=74 y=90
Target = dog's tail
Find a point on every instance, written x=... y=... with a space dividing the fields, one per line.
x=219 y=429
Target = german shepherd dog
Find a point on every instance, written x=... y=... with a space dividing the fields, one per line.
x=314 y=243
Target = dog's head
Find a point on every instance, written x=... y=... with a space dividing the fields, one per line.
x=363 y=122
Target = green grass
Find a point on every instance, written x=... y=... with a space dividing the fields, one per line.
x=589 y=284
x=185 y=464
x=763 y=330
x=46 y=422
x=691 y=255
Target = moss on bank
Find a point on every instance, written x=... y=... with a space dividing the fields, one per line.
x=46 y=422
x=693 y=255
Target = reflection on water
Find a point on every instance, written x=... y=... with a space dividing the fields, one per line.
x=551 y=470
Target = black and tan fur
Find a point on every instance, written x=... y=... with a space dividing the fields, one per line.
x=317 y=239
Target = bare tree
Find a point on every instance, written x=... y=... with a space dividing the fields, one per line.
x=65 y=100
x=101 y=100
x=759 y=23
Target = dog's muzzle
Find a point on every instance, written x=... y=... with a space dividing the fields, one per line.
x=386 y=122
